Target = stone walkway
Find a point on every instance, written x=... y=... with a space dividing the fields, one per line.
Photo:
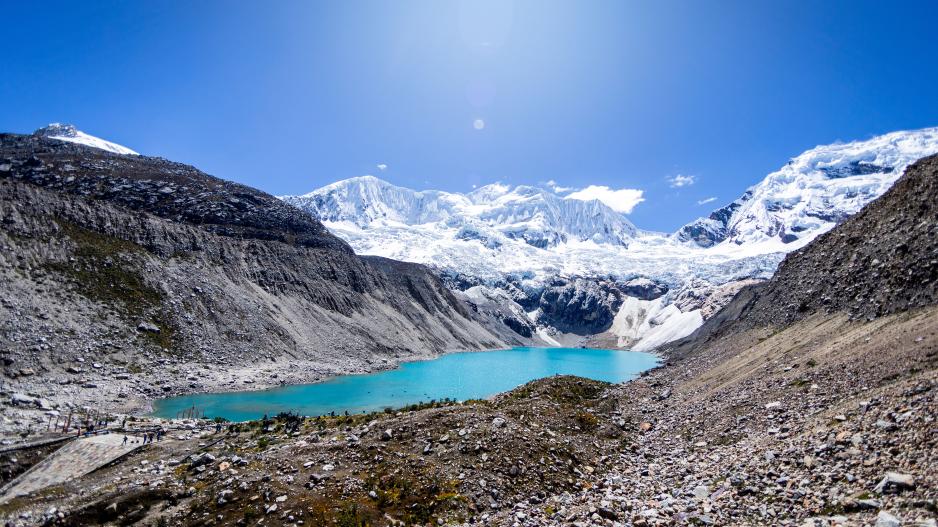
x=75 y=459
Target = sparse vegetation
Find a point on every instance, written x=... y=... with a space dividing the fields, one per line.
x=102 y=269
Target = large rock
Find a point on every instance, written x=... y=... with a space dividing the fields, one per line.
x=895 y=482
x=580 y=306
x=21 y=399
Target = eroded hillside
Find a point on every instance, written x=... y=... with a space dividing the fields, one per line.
x=128 y=277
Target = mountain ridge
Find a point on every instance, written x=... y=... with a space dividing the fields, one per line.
x=537 y=216
x=813 y=191
x=498 y=244
x=221 y=280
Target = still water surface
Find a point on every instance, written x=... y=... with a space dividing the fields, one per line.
x=459 y=376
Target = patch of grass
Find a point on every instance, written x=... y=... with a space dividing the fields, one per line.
x=586 y=421
x=564 y=389
x=414 y=498
x=349 y=516
x=831 y=510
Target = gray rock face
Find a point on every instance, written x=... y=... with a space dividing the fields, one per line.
x=580 y=306
x=709 y=231
x=22 y=399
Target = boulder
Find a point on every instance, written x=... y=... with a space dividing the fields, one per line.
x=895 y=482
x=147 y=327
x=21 y=399
x=884 y=519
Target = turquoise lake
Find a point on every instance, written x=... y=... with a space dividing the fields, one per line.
x=459 y=376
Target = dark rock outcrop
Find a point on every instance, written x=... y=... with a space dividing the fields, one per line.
x=579 y=306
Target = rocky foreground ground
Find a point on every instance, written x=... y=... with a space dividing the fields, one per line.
x=827 y=422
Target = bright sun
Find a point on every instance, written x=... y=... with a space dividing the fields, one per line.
x=478 y=124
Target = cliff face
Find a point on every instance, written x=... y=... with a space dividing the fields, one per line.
x=114 y=264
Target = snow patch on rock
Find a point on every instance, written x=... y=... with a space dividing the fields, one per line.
x=644 y=325
x=68 y=133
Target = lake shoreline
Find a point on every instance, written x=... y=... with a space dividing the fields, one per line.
x=287 y=373
x=127 y=398
x=264 y=390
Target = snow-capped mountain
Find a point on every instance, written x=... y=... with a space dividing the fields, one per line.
x=541 y=249
x=812 y=192
x=67 y=132
x=491 y=214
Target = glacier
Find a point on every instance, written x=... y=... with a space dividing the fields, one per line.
x=520 y=240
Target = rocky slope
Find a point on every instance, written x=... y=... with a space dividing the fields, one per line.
x=129 y=277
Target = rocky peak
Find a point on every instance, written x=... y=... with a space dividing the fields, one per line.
x=56 y=130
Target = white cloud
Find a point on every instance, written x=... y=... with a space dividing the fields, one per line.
x=382 y=167
x=554 y=186
x=706 y=200
x=681 y=180
x=621 y=200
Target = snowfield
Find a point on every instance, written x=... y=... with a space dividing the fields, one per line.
x=530 y=235
x=527 y=236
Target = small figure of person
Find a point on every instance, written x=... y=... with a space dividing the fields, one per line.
x=125 y=439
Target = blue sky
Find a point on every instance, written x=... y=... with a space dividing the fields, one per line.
x=288 y=96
